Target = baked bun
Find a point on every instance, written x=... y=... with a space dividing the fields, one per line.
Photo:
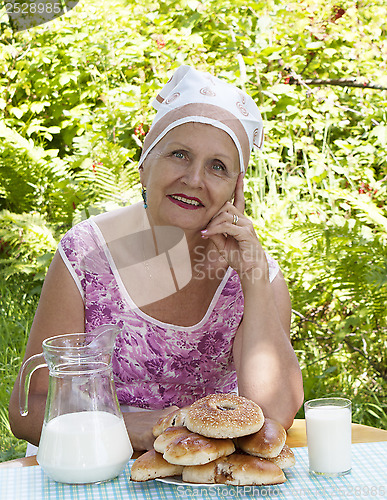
x=175 y=418
x=224 y=416
x=266 y=443
x=236 y=469
x=169 y=436
x=196 y=450
x=205 y=474
x=151 y=465
x=285 y=459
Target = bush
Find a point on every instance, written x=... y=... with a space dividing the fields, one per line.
x=75 y=106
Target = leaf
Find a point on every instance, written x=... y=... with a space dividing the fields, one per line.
x=17 y=112
x=368 y=209
x=315 y=45
x=280 y=88
x=54 y=129
x=64 y=79
x=380 y=132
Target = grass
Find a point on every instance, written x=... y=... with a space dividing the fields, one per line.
x=17 y=308
x=333 y=260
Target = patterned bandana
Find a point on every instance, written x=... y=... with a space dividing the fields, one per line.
x=193 y=96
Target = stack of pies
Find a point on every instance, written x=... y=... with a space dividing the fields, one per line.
x=219 y=439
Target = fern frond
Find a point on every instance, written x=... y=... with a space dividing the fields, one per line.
x=25 y=239
x=367 y=211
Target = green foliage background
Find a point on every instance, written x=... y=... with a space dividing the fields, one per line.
x=74 y=107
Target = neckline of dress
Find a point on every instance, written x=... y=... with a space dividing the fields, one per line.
x=133 y=306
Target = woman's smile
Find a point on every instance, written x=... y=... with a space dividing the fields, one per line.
x=187 y=202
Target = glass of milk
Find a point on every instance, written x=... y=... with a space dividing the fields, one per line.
x=328 y=430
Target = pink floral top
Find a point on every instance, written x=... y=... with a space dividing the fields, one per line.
x=155 y=364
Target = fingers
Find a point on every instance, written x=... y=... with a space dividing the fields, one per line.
x=230 y=224
x=169 y=410
x=228 y=215
x=225 y=228
x=239 y=197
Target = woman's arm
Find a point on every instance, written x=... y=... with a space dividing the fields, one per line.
x=60 y=310
x=139 y=425
x=267 y=367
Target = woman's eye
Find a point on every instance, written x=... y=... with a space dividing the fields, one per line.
x=179 y=154
x=219 y=167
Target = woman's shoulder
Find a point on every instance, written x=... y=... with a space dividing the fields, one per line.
x=115 y=214
x=122 y=220
x=79 y=230
x=79 y=241
x=114 y=221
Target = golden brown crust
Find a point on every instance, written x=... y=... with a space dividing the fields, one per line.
x=266 y=443
x=197 y=450
x=175 y=418
x=200 y=473
x=235 y=469
x=285 y=459
x=151 y=465
x=224 y=416
x=170 y=435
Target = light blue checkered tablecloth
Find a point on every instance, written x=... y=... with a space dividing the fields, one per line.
x=368 y=479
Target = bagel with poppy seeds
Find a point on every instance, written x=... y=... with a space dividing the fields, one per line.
x=266 y=443
x=224 y=416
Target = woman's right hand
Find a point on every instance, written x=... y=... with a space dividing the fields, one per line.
x=139 y=425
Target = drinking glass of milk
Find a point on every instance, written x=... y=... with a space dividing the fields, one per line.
x=328 y=430
x=84 y=437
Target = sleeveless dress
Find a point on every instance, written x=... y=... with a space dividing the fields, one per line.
x=155 y=364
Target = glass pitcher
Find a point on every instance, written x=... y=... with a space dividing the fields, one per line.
x=84 y=438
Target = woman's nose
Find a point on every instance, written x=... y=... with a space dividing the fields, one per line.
x=194 y=174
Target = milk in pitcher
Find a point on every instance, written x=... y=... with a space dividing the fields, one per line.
x=84 y=447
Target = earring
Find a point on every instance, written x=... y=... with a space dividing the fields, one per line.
x=143 y=194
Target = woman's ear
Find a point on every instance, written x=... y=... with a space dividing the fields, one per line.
x=141 y=172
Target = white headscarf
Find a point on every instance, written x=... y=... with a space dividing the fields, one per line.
x=193 y=96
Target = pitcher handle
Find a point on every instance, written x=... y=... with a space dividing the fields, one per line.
x=28 y=368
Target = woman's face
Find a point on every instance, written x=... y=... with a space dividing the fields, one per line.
x=189 y=175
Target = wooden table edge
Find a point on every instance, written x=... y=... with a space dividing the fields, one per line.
x=360 y=434
x=296 y=438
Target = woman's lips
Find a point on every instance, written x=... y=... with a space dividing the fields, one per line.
x=187 y=202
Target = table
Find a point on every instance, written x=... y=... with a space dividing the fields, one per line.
x=296 y=438
x=368 y=478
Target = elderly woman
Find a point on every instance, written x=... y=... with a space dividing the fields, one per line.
x=201 y=307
